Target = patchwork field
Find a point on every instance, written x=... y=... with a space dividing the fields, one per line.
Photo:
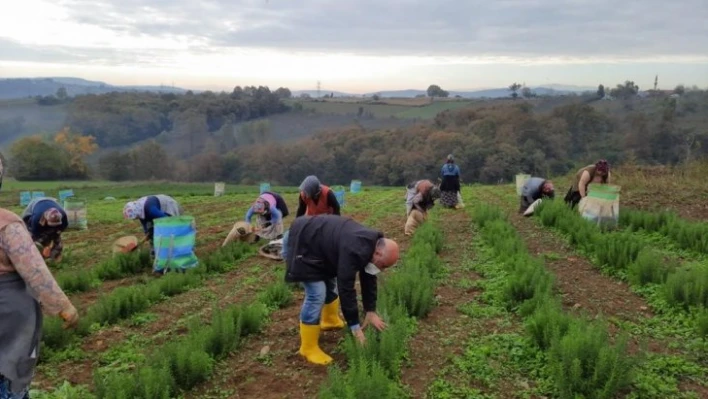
x=484 y=304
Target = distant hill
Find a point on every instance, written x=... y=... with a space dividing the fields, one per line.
x=13 y=88
x=550 y=90
x=313 y=93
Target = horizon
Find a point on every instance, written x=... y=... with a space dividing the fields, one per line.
x=325 y=90
x=358 y=48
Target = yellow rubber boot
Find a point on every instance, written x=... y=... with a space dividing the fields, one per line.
x=310 y=347
x=330 y=317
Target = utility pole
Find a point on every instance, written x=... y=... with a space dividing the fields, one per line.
x=318 y=89
x=656 y=81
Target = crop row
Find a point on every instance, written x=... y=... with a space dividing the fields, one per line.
x=123 y=302
x=580 y=359
x=405 y=295
x=183 y=363
x=119 y=266
x=683 y=287
x=688 y=235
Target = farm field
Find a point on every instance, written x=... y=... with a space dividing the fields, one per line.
x=404 y=108
x=483 y=304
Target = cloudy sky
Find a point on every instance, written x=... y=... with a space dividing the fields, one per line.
x=357 y=45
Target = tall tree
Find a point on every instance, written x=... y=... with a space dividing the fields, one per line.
x=77 y=147
x=514 y=88
x=436 y=91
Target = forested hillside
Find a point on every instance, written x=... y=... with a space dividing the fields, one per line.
x=254 y=134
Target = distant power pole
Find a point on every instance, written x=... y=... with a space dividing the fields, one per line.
x=656 y=81
x=318 y=89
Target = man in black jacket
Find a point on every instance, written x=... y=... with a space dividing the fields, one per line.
x=324 y=253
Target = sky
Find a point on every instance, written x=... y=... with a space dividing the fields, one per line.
x=358 y=46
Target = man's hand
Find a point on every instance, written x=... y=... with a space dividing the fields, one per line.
x=359 y=335
x=374 y=319
x=70 y=317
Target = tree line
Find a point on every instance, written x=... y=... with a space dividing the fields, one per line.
x=491 y=143
x=116 y=119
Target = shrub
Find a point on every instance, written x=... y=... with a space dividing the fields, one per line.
x=249 y=318
x=688 y=235
x=617 y=249
x=145 y=383
x=364 y=379
x=428 y=234
x=688 y=286
x=122 y=265
x=412 y=288
x=702 y=323
x=387 y=347
x=79 y=281
x=422 y=257
x=483 y=213
x=277 y=295
x=224 y=258
x=527 y=280
x=222 y=336
x=649 y=268
x=583 y=362
x=187 y=360
x=54 y=336
x=503 y=239
x=547 y=324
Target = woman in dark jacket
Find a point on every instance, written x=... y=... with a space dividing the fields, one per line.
x=450 y=185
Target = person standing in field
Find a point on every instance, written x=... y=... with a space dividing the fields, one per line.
x=270 y=209
x=420 y=198
x=533 y=191
x=149 y=208
x=325 y=253
x=316 y=199
x=450 y=185
x=46 y=220
x=26 y=288
x=598 y=173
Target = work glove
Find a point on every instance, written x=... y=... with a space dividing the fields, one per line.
x=70 y=317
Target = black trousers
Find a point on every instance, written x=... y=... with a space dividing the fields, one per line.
x=572 y=198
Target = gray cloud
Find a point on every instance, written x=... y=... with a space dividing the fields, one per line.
x=526 y=28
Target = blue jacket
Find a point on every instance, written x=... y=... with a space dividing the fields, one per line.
x=450 y=169
x=153 y=211
x=32 y=220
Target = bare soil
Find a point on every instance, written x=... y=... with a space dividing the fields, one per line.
x=442 y=334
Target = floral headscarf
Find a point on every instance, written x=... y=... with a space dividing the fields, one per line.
x=135 y=209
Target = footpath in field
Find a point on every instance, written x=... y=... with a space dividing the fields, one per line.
x=443 y=332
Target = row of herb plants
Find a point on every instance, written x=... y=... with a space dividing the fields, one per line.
x=682 y=287
x=581 y=361
x=123 y=302
x=181 y=364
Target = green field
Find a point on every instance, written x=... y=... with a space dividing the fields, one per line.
x=427 y=111
x=483 y=304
